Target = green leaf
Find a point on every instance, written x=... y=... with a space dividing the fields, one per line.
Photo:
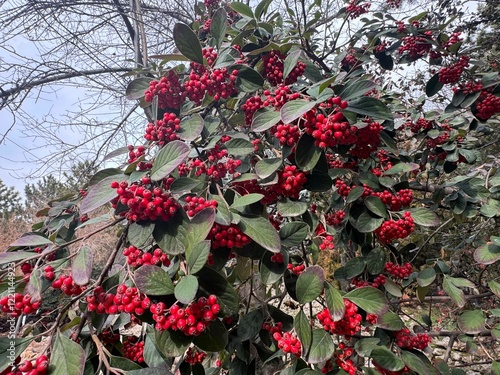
x=261 y=231
x=136 y=88
x=355 y=194
x=488 y=253
x=375 y=261
x=199 y=227
x=100 y=194
x=369 y=299
x=365 y=346
x=191 y=127
x=304 y=331
x=248 y=79
x=239 y=147
x=247 y=200
x=356 y=89
x=471 y=322
x=424 y=217
x=386 y=359
x=307 y=153
x=376 y=206
x=250 y=324
x=31 y=240
x=366 y=223
x=322 y=346
x=153 y=280
x=354 y=267
x=401 y=168
x=11 y=348
x=426 y=277
x=197 y=256
x=270 y=271
x=172 y=343
x=433 y=85
x=186 y=289
x=455 y=293
x=390 y=321
x=183 y=185
x=293 y=109
x=187 y=42
x=168 y=159
x=213 y=339
x=262 y=7
x=371 y=107
x=68 y=358
x=419 y=364
x=123 y=363
x=139 y=234
x=290 y=208
x=266 y=167
x=290 y=62
x=293 y=233
x=242 y=9
x=218 y=26
x=212 y=282
x=152 y=353
x=82 y=266
x=264 y=120
x=494 y=287
x=310 y=284
x=334 y=302
x=171 y=238
x=495 y=368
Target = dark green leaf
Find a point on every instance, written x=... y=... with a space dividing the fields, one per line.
x=11 y=348
x=424 y=217
x=390 y=321
x=171 y=238
x=152 y=353
x=218 y=26
x=318 y=182
x=376 y=206
x=139 y=235
x=212 y=282
x=304 y=331
x=371 y=107
x=290 y=62
x=239 y=147
x=153 y=280
x=248 y=80
x=187 y=43
x=334 y=302
x=402 y=168
x=420 y=365
x=67 y=358
x=375 y=261
x=186 y=289
x=366 y=223
x=261 y=231
x=168 y=159
x=433 y=85
x=197 y=256
x=242 y=9
x=355 y=194
x=261 y=8
x=183 y=185
x=455 y=293
x=354 y=267
x=123 y=363
x=393 y=288
x=270 y=271
x=82 y=266
x=289 y=208
x=293 y=233
x=250 y=324
x=322 y=347
x=213 y=339
x=356 y=89
x=365 y=345
x=100 y=194
x=293 y=109
x=172 y=343
x=136 y=88
x=386 y=359
x=426 y=277
x=247 y=200
x=266 y=167
x=199 y=227
x=471 y=322
x=191 y=127
x=369 y=299
x=310 y=284
x=307 y=153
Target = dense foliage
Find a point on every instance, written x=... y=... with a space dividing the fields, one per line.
x=267 y=148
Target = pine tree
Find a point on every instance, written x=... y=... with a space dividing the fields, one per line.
x=10 y=201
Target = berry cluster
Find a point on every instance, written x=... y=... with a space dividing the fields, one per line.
x=377 y=281
x=48 y=273
x=342 y=188
x=192 y=320
x=227 y=236
x=277 y=258
x=108 y=336
x=143 y=203
x=406 y=340
x=287 y=134
x=350 y=61
x=342 y=359
x=487 y=106
x=195 y=204
x=211 y=3
x=348 y=326
x=420 y=124
x=163 y=131
x=327 y=241
x=395 y=202
x=290 y=181
x=67 y=285
x=416 y=46
x=281 y=95
x=168 y=90
x=273 y=328
x=469 y=87
x=391 y=229
x=136 y=154
x=50 y=257
x=393 y=3
x=136 y=257
x=367 y=139
x=288 y=343
x=399 y=272
x=219 y=83
x=296 y=270
x=133 y=349
x=40 y=367
x=331 y=130
x=452 y=40
x=194 y=356
x=354 y=9
x=126 y=299
x=452 y=73
x=335 y=218
x=18 y=304
x=273 y=63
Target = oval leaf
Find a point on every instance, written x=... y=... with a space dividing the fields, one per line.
x=153 y=280
x=293 y=233
x=168 y=158
x=289 y=208
x=213 y=339
x=369 y=299
x=186 y=289
x=261 y=231
x=334 y=302
x=82 y=266
x=197 y=256
x=68 y=358
x=266 y=167
x=293 y=109
x=310 y=284
x=322 y=347
x=307 y=153
x=471 y=322
x=191 y=127
x=187 y=42
x=265 y=120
